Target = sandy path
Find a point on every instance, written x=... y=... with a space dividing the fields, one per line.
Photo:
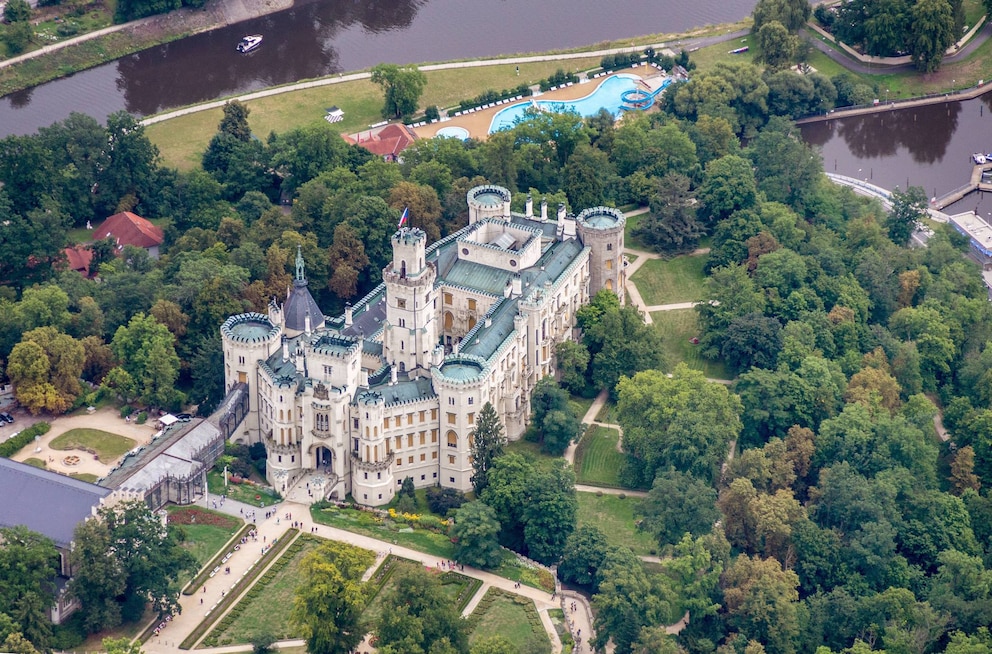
x=106 y=419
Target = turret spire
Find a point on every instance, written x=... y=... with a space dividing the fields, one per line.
x=301 y=274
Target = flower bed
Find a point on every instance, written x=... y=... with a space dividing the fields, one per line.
x=204 y=573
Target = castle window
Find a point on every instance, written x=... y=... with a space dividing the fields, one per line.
x=423 y=438
x=609 y=264
x=513 y=262
x=354 y=445
x=434 y=457
x=401 y=303
x=433 y=414
x=434 y=435
x=471 y=400
x=451 y=400
x=328 y=370
x=292 y=459
x=354 y=422
x=452 y=418
x=280 y=458
x=471 y=304
x=423 y=477
x=447 y=298
x=609 y=247
x=409 y=418
x=451 y=460
x=402 y=322
x=451 y=479
x=423 y=457
x=452 y=439
x=378 y=475
x=410 y=460
x=399 y=462
x=399 y=442
x=471 y=418
x=402 y=346
x=423 y=416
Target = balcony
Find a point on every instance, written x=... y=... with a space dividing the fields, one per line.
x=370 y=466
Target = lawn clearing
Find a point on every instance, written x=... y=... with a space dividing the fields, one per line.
x=362 y=522
x=267 y=605
x=37 y=463
x=667 y=281
x=206 y=531
x=615 y=518
x=580 y=404
x=182 y=140
x=88 y=477
x=676 y=328
x=248 y=493
x=597 y=460
x=514 y=617
x=631 y=241
x=108 y=447
x=532 y=452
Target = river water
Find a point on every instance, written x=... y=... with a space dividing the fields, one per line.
x=323 y=37
x=927 y=146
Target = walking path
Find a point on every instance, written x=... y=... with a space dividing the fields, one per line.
x=198 y=606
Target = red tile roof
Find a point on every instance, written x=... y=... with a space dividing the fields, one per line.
x=78 y=258
x=130 y=229
x=387 y=142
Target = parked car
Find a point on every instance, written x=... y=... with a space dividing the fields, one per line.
x=6 y=417
x=184 y=417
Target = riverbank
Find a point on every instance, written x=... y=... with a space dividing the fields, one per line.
x=99 y=47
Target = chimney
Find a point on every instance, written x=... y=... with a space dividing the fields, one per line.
x=306 y=323
x=561 y=211
x=285 y=349
x=392 y=375
x=529 y=210
x=517 y=285
x=544 y=208
x=347 y=315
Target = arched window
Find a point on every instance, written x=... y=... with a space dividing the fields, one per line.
x=609 y=247
x=449 y=320
x=452 y=438
x=403 y=269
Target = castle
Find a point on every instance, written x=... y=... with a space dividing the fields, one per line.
x=391 y=389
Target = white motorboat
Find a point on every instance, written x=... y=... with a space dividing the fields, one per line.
x=979 y=158
x=249 y=43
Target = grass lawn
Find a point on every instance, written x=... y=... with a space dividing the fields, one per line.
x=511 y=617
x=706 y=58
x=608 y=413
x=615 y=518
x=85 y=476
x=532 y=452
x=37 y=463
x=269 y=609
x=597 y=460
x=666 y=281
x=629 y=240
x=581 y=405
x=105 y=445
x=206 y=531
x=183 y=140
x=367 y=524
x=253 y=495
x=676 y=328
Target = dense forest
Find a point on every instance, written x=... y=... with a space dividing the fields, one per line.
x=841 y=522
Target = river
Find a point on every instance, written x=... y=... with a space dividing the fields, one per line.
x=324 y=37
x=927 y=146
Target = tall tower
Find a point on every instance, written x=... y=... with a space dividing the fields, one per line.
x=410 y=331
x=601 y=230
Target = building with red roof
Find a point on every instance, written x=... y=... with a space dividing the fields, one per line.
x=78 y=258
x=131 y=229
x=387 y=142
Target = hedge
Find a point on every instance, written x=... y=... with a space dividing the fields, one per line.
x=13 y=445
x=231 y=597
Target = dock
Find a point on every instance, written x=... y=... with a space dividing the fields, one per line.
x=974 y=184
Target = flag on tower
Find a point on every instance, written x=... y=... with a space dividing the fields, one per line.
x=404 y=216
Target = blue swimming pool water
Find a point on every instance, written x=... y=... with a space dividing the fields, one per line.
x=606 y=96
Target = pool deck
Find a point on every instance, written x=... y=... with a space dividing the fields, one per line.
x=478 y=123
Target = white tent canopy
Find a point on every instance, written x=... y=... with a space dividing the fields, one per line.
x=168 y=419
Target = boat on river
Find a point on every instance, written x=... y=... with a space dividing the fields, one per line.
x=979 y=158
x=249 y=43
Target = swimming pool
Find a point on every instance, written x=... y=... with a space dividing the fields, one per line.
x=606 y=96
x=452 y=132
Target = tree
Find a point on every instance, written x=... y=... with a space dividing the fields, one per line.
x=27 y=569
x=128 y=10
x=671 y=225
x=962 y=470
x=487 y=446
x=677 y=504
x=235 y=121
x=572 y=362
x=585 y=553
x=493 y=645
x=728 y=186
x=402 y=88
x=553 y=420
x=146 y=350
x=761 y=601
x=753 y=340
x=793 y=14
x=417 y=617
x=908 y=208
x=776 y=45
x=17 y=11
x=125 y=561
x=682 y=421
x=931 y=33
x=476 y=535
x=328 y=608
x=121 y=646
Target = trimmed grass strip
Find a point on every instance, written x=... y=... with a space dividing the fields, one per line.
x=597 y=460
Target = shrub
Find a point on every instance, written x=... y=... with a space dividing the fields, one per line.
x=12 y=445
x=442 y=500
x=557 y=79
x=68 y=28
x=432 y=113
x=622 y=496
x=126 y=410
x=142 y=418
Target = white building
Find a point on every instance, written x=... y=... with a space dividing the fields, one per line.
x=392 y=388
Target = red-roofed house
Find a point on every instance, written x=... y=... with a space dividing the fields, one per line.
x=78 y=258
x=130 y=229
x=387 y=142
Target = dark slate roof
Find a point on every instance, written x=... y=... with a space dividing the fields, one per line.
x=43 y=501
x=298 y=304
x=404 y=390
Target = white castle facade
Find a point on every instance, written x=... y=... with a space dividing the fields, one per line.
x=392 y=388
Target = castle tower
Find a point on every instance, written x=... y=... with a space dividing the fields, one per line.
x=371 y=456
x=601 y=230
x=246 y=339
x=410 y=330
x=488 y=201
x=301 y=313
